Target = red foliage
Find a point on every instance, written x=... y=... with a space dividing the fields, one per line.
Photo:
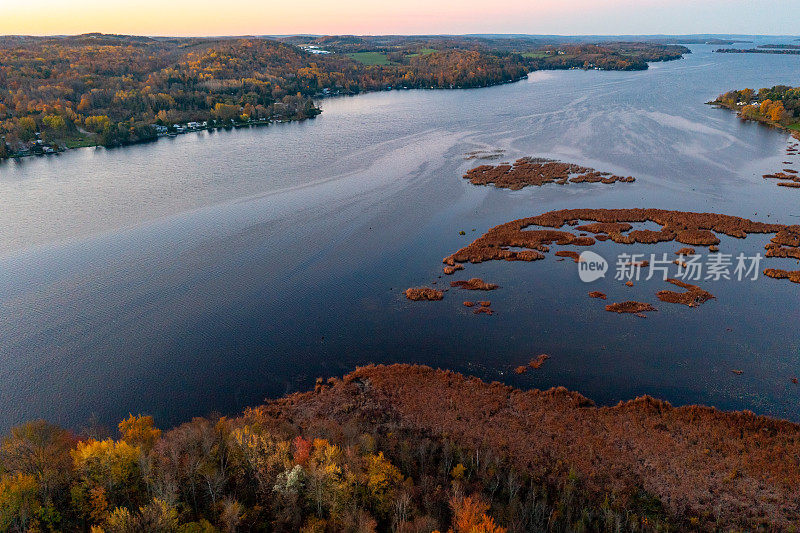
x=685 y=227
x=538 y=361
x=302 y=450
x=449 y=270
x=777 y=273
x=575 y=256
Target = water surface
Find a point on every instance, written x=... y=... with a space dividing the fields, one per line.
x=210 y=271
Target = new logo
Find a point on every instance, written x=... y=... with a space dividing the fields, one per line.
x=591 y=266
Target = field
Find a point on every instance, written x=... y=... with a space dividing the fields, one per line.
x=423 y=52
x=536 y=55
x=81 y=142
x=370 y=58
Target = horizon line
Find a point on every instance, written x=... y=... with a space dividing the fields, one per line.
x=485 y=34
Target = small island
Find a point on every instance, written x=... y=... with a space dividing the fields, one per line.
x=536 y=171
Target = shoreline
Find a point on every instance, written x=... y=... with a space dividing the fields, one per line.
x=252 y=124
x=415 y=427
x=85 y=143
x=763 y=121
x=685 y=459
x=394 y=432
x=264 y=122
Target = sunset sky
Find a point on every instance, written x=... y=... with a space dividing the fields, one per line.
x=266 y=17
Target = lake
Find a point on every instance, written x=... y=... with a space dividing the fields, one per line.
x=207 y=272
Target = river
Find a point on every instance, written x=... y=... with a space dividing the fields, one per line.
x=207 y=272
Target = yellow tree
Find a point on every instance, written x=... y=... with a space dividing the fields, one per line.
x=41 y=450
x=54 y=123
x=97 y=123
x=109 y=475
x=140 y=431
x=19 y=503
x=383 y=480
x=226 y=112
x=749 y=111
x=776 y=112
x=325 y=477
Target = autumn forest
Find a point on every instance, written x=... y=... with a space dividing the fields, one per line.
x=413 y=450
x=110 y=90
x=776 y=106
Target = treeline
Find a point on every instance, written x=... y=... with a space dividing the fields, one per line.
x=780 y=46
x=778 y=105
x=611 y=56
x=783 y=50
x=251 y=474
x=538 y=53
x=414 y=43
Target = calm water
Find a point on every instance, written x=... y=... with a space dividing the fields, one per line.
x=210 y=271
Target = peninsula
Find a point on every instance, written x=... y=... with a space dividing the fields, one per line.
x=778 y=106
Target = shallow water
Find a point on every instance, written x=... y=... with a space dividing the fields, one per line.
x=210 y=271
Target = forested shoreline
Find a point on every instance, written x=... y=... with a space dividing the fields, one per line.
x=110 y=90
x=777 y=106
x=409 y=449
x=781 y=50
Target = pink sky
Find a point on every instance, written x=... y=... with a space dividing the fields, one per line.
x=264 y=17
